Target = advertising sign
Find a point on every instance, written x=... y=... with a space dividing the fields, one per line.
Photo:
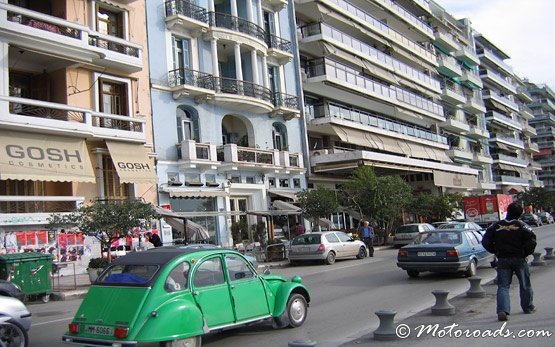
x=472 y=209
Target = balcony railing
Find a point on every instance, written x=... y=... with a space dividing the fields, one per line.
x=324 y=66
x=508 y=158
x=39 y=204
x=227 y=21
x=494 y=58
x=44 y=25
x=113 y=44
x=190 y=77
x=294 y=160
x=277 y=42
x=187 y=9
x=510 y=179
x=368 y=52
x=286 y=100
x=232 y=86
x=362 y=117
x=408 y=16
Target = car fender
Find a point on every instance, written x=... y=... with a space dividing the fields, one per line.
x=174 y=319
x=283 y=293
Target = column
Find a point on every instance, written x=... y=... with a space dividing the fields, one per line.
x=214 y=52
x=265 y=71
x=254 y=66
x=98 y=172
x=4 y=70
x=211 y=6
x=238 y=67
x=260 y=14
x=249 y=11
x=234 y=12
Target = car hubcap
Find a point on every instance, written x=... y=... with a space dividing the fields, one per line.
x=297 y=310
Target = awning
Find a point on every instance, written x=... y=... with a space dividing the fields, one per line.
x=194 y=232
x=131 y=162
x=285 y=206
x=191 y=193
x=442 y=156
x=284 y=194
x=30 y=156
x=454 y=180
x=326 y=223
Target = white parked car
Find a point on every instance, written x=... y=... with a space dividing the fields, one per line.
x=325 y=246
x=407 y=233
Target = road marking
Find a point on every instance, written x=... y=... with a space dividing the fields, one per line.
x=52 y=321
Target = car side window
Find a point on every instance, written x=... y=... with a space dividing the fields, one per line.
x=332 y=238
x=177 y=279
x=343 y=237
x=472 y=239
x=209 y=273
x=237 y=268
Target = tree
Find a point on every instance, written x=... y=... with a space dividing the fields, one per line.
x=107 y=221
x=436 y=207
x=317 y=203
x=539 y=197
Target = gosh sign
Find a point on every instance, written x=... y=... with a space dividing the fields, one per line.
x=37 y=153
x=133 y=166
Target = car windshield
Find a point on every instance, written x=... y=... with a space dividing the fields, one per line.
x=133 y=275
x=404 y=229
x=452 y=238
x=307 y=239
x=452 y=226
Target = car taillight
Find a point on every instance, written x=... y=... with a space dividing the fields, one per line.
x=121 y=333
x=403 y=253
x=452 y=253
x=74 y=328
x=321 y=248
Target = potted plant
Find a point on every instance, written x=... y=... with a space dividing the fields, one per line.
x=95 y=267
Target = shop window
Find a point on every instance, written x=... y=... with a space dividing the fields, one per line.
x=113 y=187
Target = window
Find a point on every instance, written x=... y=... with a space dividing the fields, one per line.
x=332 y=238
x=284 y=183
x=181 y=53
x=238 y=205
x=343 y=237
x=273 y=76
x=177 y=279
x=23 y=188
x=109 y=21
x=187 y=124
x=209 y=273
x=113 y=188
x=237 y=268
x=296 y=183
x=269 y=23
x=113 y=97
x=279 y=136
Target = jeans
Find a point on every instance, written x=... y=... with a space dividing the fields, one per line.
x=505 y=269
x=369 y=242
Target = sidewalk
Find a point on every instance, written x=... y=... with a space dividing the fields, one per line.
x=477 y=318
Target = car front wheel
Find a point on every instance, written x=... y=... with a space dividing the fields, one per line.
x=194 y=341
x=330 y=259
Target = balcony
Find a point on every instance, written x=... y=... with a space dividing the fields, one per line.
x=502 y=120
x=508 y=159
x=529 y=131
x=243 y=95
x=510 y=180
x=490 y=94
x=460 y=155
x=197 y=155
x=455 y=125
x=448 y=66
x=279 y=49
x=446 y=41
x=467 y=56
x=482 y=158
x=349 y=83
x=35 y=209
x=474 y=105
x=511 y=141
x=276 y=5
x=545 y=104
x=224 y=26
x=471 y=79
x=526 y=112
x=286 y=106
x=486 y=185
x=490 y=57
x=182 y=14
x=41 y=32
x=534 y=183
x=408 y=17
x=19 y=113
x=187 y=82
x=363 y=50
x=452 y=93
x=524 y=94
x=232 y=156
x=489 y=76
x=543 y=118
x=477 y=132
x=531 y=147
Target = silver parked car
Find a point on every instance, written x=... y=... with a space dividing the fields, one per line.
x=326 y=246
x=15 y=322
x=407 y=233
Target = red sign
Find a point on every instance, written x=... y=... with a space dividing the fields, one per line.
x=472 y=208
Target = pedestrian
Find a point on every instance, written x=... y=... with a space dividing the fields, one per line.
x=511 y=240
x=154 y=239
x=299 y=229
x=366 y=233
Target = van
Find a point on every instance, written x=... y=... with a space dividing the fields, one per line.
x=407 y=233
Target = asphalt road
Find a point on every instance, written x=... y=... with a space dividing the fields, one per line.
x=344 y=298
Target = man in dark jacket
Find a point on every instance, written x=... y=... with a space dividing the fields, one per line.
x=511 y=240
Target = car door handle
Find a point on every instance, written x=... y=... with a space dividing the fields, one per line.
x=233 y=286
x=195 y=292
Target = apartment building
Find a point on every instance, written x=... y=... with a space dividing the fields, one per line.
x=74 y=108
x=507 y=119
x=543 y=108
x=373 y=94
x=226 y=103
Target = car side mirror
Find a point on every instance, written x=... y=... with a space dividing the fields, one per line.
x=266 y=270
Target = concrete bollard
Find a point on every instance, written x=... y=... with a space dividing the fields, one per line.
x=538 y=261
x=442 y=306
x=476 y=290
x=549 y=253
x=302 y=343
x=386 y=330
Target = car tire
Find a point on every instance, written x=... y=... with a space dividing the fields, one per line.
x=194 y=341
x=13 y=331
x=330 y=259
x=295 y=312
x=413 y=273
x=361 y=253
x=45 y=298
x=471 y=270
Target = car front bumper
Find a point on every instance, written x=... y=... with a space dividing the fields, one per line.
x=454 y=266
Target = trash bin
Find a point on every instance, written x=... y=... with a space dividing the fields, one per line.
x=30 y=271
x=275 y=252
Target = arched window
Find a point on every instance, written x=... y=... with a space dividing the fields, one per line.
x=187 y=124
x=279 y=136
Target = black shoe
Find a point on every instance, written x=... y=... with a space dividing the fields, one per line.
x=530 y=310
x=502 y=316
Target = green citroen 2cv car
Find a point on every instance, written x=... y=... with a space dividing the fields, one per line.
x=174 y=296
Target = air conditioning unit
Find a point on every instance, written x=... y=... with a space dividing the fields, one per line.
x=173 y=179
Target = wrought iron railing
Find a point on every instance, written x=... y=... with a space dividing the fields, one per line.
x=190 y=77
x=232 y=86
x=277 y=42
x=187 y=9
x=46 y=112
x=44 y=25
x=113 y=45
x=227 y=21
x=286 y=100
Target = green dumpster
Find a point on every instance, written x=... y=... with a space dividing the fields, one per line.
x=30 y=271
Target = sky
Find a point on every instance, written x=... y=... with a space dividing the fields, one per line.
x=523 y=29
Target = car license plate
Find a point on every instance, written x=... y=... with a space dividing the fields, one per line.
x=426 y=254
x=99 y=330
